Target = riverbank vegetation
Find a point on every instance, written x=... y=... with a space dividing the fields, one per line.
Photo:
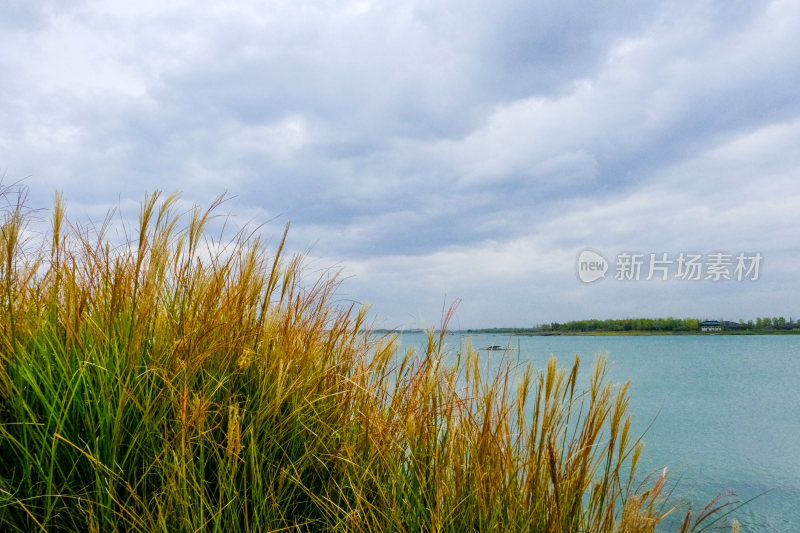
x=654 y=326
x=177 y=382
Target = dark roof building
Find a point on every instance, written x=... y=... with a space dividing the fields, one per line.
x=710 y=325
x=716 y=325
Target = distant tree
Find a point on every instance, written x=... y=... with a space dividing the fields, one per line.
x=692 y=324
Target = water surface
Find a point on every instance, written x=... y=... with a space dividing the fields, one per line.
x=723 y=410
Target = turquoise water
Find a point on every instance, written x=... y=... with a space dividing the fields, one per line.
x=725 y=411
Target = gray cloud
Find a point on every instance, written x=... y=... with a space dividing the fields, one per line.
x=460 y=148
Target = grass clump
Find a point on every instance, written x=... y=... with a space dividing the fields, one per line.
x=172 y=382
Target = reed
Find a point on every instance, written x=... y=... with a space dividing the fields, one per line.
x=174 y=382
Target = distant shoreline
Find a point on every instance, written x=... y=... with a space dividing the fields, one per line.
x=640 y=333
x=528 y=333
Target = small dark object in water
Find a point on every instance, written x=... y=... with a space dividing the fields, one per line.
x=494 y=347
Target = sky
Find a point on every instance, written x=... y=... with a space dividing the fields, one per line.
x=438 y=151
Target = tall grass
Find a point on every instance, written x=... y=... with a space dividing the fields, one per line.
x=172 y=382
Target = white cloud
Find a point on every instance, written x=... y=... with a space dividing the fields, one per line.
x=430 y=147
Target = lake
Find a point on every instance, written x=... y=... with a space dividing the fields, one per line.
x=725 y=411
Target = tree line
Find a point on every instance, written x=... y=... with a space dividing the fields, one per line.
x=663 y=324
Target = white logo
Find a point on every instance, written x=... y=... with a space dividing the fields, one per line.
x=591 y=266
x=691 y=266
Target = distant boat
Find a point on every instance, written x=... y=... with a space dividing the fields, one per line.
x=494 y=347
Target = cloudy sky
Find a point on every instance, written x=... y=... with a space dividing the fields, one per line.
x=438 y=149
